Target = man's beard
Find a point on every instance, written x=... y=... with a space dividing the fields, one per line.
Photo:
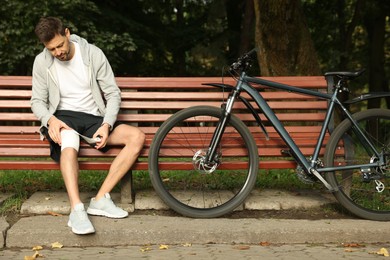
x=66 y=55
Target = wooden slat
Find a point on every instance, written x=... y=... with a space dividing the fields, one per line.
x=50 y=165
x=151 y=99
x=157 y=105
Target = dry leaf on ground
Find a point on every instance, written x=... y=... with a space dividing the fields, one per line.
x=57 y=245
x=242 y=247
x=353 y=245
x=163 y=247
x=383 y=251
x=265 y=243
x=145 y=249
x=34 y=256
x=36 y=248
x=54 y=214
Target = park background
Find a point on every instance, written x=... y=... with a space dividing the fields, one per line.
x=200 y=38
x=145 y=38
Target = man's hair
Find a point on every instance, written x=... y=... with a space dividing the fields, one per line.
x=48 y=27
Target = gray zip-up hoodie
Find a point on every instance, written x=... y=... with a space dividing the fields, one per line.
x=45 y=89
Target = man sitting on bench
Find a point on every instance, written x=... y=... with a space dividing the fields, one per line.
x=74 y=92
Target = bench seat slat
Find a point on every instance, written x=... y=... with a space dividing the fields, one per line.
x=49 y=165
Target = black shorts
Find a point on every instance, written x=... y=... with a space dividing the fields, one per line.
x=83 y=123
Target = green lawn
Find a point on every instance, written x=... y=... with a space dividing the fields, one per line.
x=25 y=183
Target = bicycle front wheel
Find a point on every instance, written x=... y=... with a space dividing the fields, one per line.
x=364 y=191
x=185 y=181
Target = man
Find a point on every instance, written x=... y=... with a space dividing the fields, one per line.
x=74 y=92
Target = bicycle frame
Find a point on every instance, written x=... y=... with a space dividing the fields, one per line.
x=243 y=84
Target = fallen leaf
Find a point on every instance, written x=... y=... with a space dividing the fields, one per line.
x=57 y=245
x=383 y=251
x=187 y=245
x=34 y=256
x=54 y=214
x=36 y=248
x=242 y=247
x=163 y=247
x=145 y=249
x=353 y=245
x=265 y=243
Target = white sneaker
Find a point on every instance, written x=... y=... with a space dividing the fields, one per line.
x=79 y=221
x=106 y=207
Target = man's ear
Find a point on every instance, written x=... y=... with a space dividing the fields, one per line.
x=67 y=32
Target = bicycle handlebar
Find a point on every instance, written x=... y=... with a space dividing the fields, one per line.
x=244 y=62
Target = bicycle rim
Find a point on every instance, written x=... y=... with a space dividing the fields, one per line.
x=182 y=179
x=365 y=192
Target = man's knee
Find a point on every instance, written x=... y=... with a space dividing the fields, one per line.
x=70 y=139
x=136 y=139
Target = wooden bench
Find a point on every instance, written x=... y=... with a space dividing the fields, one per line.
x=147 y=102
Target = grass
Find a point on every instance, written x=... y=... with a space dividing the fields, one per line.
x=24 y=183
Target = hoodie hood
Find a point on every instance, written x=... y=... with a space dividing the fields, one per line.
x=84 y=47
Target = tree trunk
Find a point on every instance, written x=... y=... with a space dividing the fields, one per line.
x=179 y=52
x=283 y=39
x=247 y=28
x=376 y=23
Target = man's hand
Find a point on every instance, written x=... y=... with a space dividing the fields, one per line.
x=54 y=128
x=102 y=132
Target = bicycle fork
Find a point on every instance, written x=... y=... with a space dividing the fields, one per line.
x=215 y=140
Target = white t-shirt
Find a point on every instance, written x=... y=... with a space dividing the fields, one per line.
x=75 y=91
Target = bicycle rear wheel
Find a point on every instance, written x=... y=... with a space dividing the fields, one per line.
x=180 y=175
x=365 y=192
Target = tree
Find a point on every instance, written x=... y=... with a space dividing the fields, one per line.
x=240 y=27
x=375 y=22
x=19 y=45
x=283 y=39
x=351 y=34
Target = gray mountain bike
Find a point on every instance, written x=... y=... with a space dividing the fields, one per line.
x=355 y=167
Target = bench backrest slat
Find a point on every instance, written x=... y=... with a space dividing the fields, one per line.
x=148 y=102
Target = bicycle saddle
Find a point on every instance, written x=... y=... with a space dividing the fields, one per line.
x=346 y=74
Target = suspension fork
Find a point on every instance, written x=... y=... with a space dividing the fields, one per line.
x=216 y=139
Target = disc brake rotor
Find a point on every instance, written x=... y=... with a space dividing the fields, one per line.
x=200 y=165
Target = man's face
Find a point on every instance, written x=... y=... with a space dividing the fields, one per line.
x=60 y=47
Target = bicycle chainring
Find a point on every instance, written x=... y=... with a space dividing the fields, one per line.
x=303 y=176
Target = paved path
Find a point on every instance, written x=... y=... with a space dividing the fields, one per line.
x=140 y=235
x=209 y=251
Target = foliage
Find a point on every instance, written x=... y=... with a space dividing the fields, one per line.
x=19 y=44
x=174 y=38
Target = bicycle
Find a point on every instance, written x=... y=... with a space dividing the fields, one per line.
x=355 y=167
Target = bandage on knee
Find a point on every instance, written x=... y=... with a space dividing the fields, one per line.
x=69 y=138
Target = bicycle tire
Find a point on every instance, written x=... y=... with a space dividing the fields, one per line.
x=200 y=192
x=357 y=194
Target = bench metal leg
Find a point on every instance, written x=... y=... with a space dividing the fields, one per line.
x=126 y=185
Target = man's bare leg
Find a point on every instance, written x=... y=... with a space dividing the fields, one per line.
x=78 y=218
x=70 y=173
x=133 y=140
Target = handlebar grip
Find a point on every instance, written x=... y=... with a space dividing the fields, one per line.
x=249 y=53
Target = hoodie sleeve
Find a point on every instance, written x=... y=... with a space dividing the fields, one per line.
x=106 y=81
x=40 y=91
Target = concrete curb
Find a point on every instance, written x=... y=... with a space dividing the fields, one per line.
x=39 y=228
x=144 y=229
x=42 y=202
